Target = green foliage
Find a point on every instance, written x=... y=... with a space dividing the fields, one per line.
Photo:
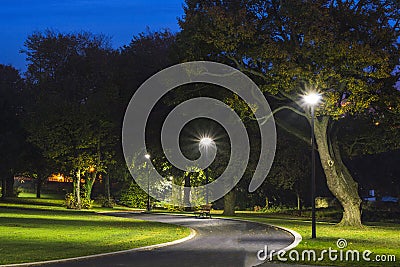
x=347 y=51
x=273 y=209
x=12 y=136
x=18 y=190
x=71 y=202
x=87 y=203
x=105 y=202
x=66 y=116
x=133 y=196
x=170 y=207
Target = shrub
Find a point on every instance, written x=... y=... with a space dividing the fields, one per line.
x=257 y=208
x=70 y=202
x=105 y=202
x=17 y=190
x=133 y=196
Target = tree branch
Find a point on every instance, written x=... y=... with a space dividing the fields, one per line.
x=294 y=132
x=266 y=118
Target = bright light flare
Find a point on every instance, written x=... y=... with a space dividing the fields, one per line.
x=147 y=156
x=206 y=141
x=312 y=98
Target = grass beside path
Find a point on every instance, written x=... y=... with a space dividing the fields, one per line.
x=42 y=230
x=380 y=238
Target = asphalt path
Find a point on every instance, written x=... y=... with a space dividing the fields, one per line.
x=218 y=242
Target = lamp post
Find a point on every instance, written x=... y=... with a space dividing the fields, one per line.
x=312 y=99
x=205 y=143
x=147 y=156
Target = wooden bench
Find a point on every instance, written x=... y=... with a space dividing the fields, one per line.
x=204 y=211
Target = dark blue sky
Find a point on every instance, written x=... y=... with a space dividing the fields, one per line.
x=119 y=19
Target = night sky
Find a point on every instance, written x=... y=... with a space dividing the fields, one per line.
x=119 y=19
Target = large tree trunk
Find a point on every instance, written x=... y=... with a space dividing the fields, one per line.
x=229 y=203
x=339 y=179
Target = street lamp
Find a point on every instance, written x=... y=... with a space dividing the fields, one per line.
x=205 y=143
x=147 y=156
x=312 y=99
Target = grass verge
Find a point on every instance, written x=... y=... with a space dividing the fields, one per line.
x=32 y=230
x=382 y=239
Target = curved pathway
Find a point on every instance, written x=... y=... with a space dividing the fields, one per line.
x=219 y=242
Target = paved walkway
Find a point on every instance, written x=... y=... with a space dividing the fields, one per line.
x=219 y=242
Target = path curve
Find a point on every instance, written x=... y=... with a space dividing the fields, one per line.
x=219 y=242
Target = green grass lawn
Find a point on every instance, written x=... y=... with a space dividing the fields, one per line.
x=36 y=230
x=43 y=196
x=380 y=239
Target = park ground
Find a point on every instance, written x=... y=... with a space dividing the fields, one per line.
x=36 y=230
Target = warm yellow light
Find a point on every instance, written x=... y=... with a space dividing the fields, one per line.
x=377 y=123
x=312 y=98
x=92 y=169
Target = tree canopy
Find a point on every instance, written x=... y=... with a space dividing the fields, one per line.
x=348 y=51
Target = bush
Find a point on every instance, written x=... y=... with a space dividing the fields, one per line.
x=86 y=203
x=272 y=209
x=169 y=207
x=257 y=208
x=70 y=202
x=133 y=196
x=105 y=202
x=17 y=190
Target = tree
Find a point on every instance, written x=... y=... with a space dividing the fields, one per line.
x=346 y=50
x=70 y=116
x=12 y=136
x=291 y=170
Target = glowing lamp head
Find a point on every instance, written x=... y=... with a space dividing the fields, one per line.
x=312 y=99
x=147 y=156
x=206 y=141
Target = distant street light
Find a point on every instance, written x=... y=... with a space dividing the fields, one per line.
x=205 y=143
x=312 y=99
x=147 y=156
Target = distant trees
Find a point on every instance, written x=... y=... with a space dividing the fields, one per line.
x=12 y=135
x=77 y=88
x=70 y=114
